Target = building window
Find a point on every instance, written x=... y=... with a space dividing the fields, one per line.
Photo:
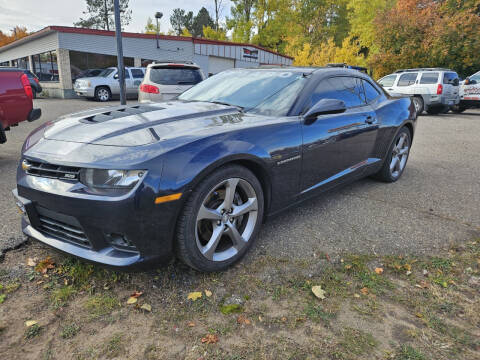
x=45 y=66
x=5 y=63
x=21 y=63
x=83 y=64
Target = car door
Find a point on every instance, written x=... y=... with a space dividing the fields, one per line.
x=406 y=83
x=129 y=83
x=470 y=90
x=451 y=88
x=337 y=146
x=387 y=83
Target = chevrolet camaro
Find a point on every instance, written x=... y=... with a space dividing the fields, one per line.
x=132 y=186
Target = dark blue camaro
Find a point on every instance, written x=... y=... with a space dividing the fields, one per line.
x=130 y=186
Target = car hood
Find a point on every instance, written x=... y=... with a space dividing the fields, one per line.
x=141 y=124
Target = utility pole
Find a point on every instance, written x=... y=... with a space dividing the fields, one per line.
x=121 y=67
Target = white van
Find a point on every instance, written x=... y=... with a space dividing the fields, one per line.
x=469 y=93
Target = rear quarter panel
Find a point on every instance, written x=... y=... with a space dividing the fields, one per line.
x=15 y=105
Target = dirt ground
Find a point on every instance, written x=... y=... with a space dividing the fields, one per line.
x=404 y=308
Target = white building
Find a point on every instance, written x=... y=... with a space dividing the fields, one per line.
x=56 y=54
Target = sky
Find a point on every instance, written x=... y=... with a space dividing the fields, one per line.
x=37 y=14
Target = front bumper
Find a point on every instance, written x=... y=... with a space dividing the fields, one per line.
x=86 y=92
x=84 y=227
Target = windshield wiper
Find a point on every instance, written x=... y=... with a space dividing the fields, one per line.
x=225 y=103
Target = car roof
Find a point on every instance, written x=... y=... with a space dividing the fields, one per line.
x=422 y=70
x=173 y=64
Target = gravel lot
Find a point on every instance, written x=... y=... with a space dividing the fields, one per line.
x=436 y=202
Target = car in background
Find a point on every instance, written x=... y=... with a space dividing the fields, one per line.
x=106 y=85
x=433 y=90
x=131 y=186
x=87 y=73
x=16 y=100
x=165 y=81
x=469 y=93
x=34 y=83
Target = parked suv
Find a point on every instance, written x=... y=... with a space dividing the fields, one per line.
x=106 y=85
x=165 y=81
x=434 y=90
x=469 y=93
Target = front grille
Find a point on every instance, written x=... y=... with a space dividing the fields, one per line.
x=62 y=231
x=42 y=169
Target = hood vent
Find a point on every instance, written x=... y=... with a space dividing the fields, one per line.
x=119 y=113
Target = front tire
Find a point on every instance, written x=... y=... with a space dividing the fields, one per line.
x=220 y=219
x=396 y=160
x=103 y=93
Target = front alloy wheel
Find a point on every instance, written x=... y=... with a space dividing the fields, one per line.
x=220 y=219
x=399 y=155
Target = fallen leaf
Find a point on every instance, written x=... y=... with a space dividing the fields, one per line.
x=364 y=291
x=409 y=273
x=379 y=270
x=191 y=324
x=137 y=294
x=31 y=262
x=194 y=295
x=44 y=265
x=29 y=323
x=348 y=266
x=231 y=308
x=243 y=320
x=318 y=292
x=425 y=272
x=260 y=318
x=422 y=285
x=2 y=298
x=407 y=267
x=210 y=339
x=418 y=315
x=146 y=307
x=208 y=293
x=131 y=300
x=283 y=319
x=328 y=257
x=356 y=295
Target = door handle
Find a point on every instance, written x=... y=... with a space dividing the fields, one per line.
x=370 y=119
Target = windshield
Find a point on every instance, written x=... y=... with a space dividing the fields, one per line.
x=106 y=72
x=249 y=89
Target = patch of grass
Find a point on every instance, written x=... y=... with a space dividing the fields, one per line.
x=279 y=292
x=11 y=287
x=32 y=331
x=231 y=309
x=69 y=331
x=100 y=305
x=115 y=346
x=370 y=308
x=357 y=342
x=316 y=313
x=356 y=266
x=61 y=296
x=406 y=352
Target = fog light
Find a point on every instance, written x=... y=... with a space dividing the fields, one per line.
x=121 y=242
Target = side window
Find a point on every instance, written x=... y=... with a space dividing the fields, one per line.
x=475 y=77
x=370 y=92
x=449 y=78
x=429 y=78
x=348 y=89
x=407 y=79
x=137 y=73
x=387 y=81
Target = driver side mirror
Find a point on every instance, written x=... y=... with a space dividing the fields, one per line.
x=115 y=76
x=324 y=107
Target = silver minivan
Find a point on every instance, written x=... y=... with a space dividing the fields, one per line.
x=165 y=81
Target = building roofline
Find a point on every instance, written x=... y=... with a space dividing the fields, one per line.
x=75 y=30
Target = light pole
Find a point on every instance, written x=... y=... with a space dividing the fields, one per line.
x=121 y=67
x=158 y=16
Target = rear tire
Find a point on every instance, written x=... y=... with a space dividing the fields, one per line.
x=3 y=136
x=397 y=157
x=435 y=110
x=34 y=93
x=103 y=93
x=220 y=219
x=419 y=104
x=458 y=109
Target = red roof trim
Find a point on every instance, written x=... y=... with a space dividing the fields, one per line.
x=75 y=30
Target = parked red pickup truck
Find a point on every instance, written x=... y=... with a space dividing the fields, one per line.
x=16 y=100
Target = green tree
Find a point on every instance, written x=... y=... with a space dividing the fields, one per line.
x=202 y=19
x=209 y=33
x=180 y=19
x=241 y=19
x=100 y=15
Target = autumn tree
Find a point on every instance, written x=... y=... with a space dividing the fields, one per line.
x=100 y=15
x=16 y=33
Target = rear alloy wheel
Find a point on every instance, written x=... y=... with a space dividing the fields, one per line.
x=220 y=220
x=396 y=161
x=102 y=93
x=418 y=103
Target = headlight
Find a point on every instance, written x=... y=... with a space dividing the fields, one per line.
x=110 y=179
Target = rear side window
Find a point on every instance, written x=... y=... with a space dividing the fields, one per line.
x=429 y=78
x=370 y=92
x=449 y=77
x=137 y=73
x=175 y=76
x=387 y=81
x=348 y=89
x=407 y=79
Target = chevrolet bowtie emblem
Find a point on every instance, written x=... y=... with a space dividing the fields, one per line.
x=25 y=165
